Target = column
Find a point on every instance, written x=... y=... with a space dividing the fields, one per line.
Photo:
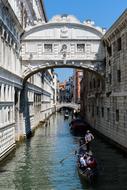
x=12 y=93
x=0 y=117
x=3 y=116
x=2 y=93
x=0 y=51
x=13 y=114
x=7 y=115
x=9 y=94
x=6 y=93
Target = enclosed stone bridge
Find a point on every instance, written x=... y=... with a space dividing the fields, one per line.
x=71 y=105
x=63 y=42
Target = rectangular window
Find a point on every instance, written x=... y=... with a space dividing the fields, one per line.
x=119 y=44
x=97 y=110
x=80 y=47
x=110 y=78
x=102 y=112
x=108 y=114
x=118 y=75
x=48 y=48
x=114 y=47
x=92 y=110
x=90 y=85
x=9 y=115
x=98 y=83
x=94 y=83
x=0 y=93
x=89 y=107
x=109 y=50
x=117 y=115
x=109 y=63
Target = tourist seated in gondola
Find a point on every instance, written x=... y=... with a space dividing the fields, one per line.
x=82 y=162
x=91 y=162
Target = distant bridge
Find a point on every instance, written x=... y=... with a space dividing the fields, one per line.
x=71 y=105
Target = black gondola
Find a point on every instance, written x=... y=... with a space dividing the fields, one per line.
x=66 y=115
x=78 y=127
x=90 y=172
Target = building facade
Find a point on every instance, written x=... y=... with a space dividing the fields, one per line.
x=22 y=106
x=62 y=92
x=104 y=104
x=77 y=75
x=69 y=89
x=66 y=91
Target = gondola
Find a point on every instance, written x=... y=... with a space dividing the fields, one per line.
x=88 y=173
x=78 y=127
x=66 y=115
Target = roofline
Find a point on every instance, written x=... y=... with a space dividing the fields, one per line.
x=50 y=24
x=116 y=23
x=43 y=9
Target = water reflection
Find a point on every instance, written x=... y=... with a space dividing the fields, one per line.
x=36 y=163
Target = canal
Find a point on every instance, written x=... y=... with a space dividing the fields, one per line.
x=35 y=165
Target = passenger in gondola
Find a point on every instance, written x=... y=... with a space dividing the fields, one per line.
x=91 y=162
x=83 y=163
x=88 y=138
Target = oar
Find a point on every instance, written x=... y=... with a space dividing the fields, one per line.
x=66 y=157
x=71 y=153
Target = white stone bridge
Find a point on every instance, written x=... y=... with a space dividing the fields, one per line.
x=63 y=42
x=71 y=105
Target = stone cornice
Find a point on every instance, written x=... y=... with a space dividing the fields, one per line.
x=6 y=103
x=119 y=94
x=37 y=89
x=74 y=40
x=10 y=78
x=117 y=27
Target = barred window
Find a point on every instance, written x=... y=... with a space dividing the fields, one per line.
x=117 y=115
x=97 y=110
x=90 y=84
x=92 y=110
x=98 y=83
x=48 y=47
x=119 y=75
x=109 y=50
x=94 y=83
x=119 y=44
x=110 y=78
x=80 y=47
x=102 y=112
x=108 y=114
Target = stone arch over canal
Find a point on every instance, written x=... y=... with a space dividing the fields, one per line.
x=63 y=42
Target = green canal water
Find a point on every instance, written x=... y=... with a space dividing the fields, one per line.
x=35 y=165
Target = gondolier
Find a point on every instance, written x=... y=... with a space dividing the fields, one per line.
x=88 y=138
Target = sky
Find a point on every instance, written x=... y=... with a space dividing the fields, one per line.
x=103 y=12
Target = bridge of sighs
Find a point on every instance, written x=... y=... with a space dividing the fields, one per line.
x=63 y=42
